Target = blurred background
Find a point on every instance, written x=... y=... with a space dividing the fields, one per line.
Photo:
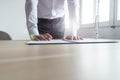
x=104 y=13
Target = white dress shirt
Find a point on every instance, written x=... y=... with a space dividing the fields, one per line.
x=50 y=9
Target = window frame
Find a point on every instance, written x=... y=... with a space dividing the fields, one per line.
x=112 y=16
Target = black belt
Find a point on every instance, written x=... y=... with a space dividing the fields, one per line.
x=48 y=20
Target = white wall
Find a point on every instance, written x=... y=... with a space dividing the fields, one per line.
x=12 y=19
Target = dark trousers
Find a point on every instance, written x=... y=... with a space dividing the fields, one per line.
x=54 y=27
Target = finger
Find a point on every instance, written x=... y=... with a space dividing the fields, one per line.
x=36 y=38
x=64 y=38
x=71 y=37
x=81 y=38
x=41 y=37
x=74 y=37
x=49 y=37
x=45 y=37
x=68 y=37
x=78 y=38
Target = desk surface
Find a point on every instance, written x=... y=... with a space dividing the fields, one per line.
x=19 y=61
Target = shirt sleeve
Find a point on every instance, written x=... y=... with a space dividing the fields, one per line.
x=31 y=16
x=73 y=5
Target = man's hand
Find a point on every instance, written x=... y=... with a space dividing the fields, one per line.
x=73 y=38
x=45 y=37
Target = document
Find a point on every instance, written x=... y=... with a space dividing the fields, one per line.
x=54 y=41
x=65 y=41
x=92 y=40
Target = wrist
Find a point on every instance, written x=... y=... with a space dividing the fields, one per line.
x=32 y=37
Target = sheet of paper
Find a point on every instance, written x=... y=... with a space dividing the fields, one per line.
x=57 y=41
x=92 y=40
x=84 y=41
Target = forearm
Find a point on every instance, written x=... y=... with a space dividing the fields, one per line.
x=73 y=22
x=31 y=16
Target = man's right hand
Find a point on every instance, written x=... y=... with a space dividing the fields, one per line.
x=44 y=37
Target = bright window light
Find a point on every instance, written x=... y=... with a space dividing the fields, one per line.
x=87 y=11
x=104 y=10
x=118 y=13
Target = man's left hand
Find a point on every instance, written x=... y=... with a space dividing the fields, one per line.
x=73 y=38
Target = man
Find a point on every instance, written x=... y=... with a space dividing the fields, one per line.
x=45 y=19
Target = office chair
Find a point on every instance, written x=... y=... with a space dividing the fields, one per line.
x=4 y=36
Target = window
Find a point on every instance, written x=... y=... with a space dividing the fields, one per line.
x=87 y=11
x=106 y=11
x=118 y=13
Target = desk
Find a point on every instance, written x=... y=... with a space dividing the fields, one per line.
x=19 y=61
